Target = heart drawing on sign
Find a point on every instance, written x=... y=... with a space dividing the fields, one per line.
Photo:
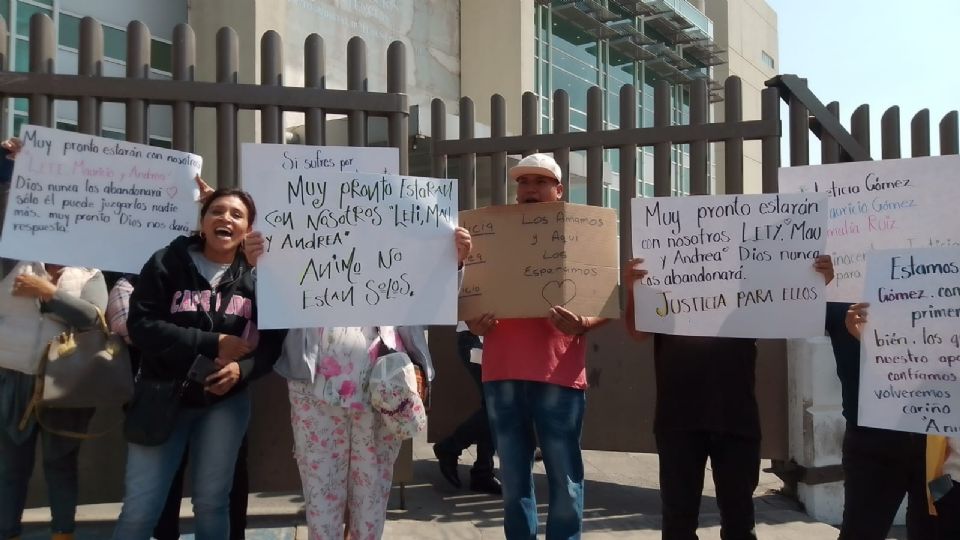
x=172 y=191
x=554 y=294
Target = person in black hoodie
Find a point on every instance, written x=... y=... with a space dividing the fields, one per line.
x=196 y=298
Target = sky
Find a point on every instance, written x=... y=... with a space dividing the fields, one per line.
x=879 y=52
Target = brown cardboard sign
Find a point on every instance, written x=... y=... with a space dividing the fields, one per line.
x=529 y=257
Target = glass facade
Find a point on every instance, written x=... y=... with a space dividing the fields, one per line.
x=602 y=43
x=17 y=13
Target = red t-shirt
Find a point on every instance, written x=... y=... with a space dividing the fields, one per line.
x=534 y=350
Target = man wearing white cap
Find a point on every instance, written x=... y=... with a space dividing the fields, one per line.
x=534 y=381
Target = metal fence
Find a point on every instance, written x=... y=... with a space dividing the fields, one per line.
x=627 y=138
x=809 y=115
x=226 y=95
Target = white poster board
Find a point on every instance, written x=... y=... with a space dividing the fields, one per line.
x=730 y=265
x=80 y=200
x=348 y=248
x=887 y=204
x=910 y=347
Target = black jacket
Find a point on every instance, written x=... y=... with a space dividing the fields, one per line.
x=173 y=318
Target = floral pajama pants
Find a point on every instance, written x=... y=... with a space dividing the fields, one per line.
x=345 y=457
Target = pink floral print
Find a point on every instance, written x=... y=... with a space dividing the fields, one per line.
x=345 y=457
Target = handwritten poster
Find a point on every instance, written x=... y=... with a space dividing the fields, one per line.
x=81 y=200
x=910 y=347
x=730 y=265
x=527 y=258
x=347 y=248
x=888 y=204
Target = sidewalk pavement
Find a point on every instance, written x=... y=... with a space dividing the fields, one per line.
x=621 y=501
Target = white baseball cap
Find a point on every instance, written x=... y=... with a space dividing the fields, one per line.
x=541 y=164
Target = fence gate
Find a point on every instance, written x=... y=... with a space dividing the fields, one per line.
x=271 y=463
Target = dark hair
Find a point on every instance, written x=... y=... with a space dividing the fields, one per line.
x=244 y=197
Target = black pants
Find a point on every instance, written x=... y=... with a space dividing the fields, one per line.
x=880 y=466
x=735 y=460
x=168 y=526
x=476 y=428
x=948 y=514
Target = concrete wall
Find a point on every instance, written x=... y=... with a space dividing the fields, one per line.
x=746 y=29
x=497 y=55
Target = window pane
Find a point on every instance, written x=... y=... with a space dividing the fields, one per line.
x=44 y=2
x=18 y=120
x=69 y=31
x=161 y=56
x=162 y=143
x=66 y=126
x=575 y=87
x=24 y=12
x=22 y=61
x=576 y=67
x=115 y=43
x=574 y=41
x=5 y=11
x=113 y=134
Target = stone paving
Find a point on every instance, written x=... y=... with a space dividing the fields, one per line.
x=621 y=502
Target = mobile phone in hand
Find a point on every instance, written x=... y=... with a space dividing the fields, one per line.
x=201 y=368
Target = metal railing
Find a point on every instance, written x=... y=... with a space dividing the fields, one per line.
x=89 y=88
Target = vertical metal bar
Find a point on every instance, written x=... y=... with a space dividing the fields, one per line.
x=271 y=74
x=662 y=182
x=184 y=69
x=314 y=68
x=4 y=102
x=860 y=126
x=595 y=153
x=438 y=132
x=561 y=124
x=529 y=115
x=628 y=176
x=732 y=148
x=90 y=64
x=829 y=147
x=890 y=133
x=770 y=144
x=228 y=67
x=3 y=44
x=43 y=50
x=699 y=165
x=138 y=67
x=468 y=162
x=498 y=160
x=799 y=133
x=357 y=80
x=920 y=134
x=949 y=135
x=397 y=84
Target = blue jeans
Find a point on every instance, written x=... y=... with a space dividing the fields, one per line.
x=521 y=414
x=214 y=434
